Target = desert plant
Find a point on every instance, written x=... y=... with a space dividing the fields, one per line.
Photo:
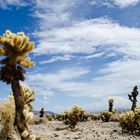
x=110 y=102
x=59 y=117
x=94 y=117
x=41 y=113
x=130 y=121
x=49 y=117
x=7 y=118
x=133 y=97
x=105 y=116
x=75 y=115
x=14 y=48
x=8 y=111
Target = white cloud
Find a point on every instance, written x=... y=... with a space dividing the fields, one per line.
x=54 y=13
x=88 y=36
x=5 y=3
x=94 y=56
x=94 y=38
x=125 y=3
x=58 y=58
x=113 y=3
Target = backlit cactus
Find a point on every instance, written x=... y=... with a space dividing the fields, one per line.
x=15 y=49
x=7 y=118
x=133 y=97
x=8 y=112
x=94 y=117
x=110 y=102
x=130 y=121
x=105 y=116
x=75 y=115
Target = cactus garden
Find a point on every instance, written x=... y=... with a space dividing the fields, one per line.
x=69 y=69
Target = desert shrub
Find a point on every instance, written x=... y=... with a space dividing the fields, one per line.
x=94 y=117
x=75 y=115
x=59 y=117
x=105 y=116
x=114 y=117
x=49 y=117
x=7 y=116
x=37 y=120
x=130 y=121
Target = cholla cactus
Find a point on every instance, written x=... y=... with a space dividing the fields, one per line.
x=8 y=113
x=75 y=115
x=7 y=118
x=105 y=116
x=133 y=98
x=94 y=117
x=15 y=48
x=110 y=102
x=130 y=121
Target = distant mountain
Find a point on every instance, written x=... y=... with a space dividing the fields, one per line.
x=46 y=112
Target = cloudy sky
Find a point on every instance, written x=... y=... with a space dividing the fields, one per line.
x=86 y=50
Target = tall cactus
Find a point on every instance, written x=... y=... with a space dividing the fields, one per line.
x=133 y=97
x=110 y=102
x=14 y=48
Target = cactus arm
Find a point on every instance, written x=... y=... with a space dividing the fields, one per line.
x=130 y=97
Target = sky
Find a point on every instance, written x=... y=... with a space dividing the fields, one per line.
x=86 y=51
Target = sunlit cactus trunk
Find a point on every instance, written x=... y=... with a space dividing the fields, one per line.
x=20 y=121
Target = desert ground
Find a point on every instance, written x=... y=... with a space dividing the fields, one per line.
x=90 y=130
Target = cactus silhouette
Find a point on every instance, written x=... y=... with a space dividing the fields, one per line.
x=110 y=102
x=15 y=48
x=133 y=97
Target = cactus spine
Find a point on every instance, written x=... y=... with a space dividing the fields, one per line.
x=133 y=97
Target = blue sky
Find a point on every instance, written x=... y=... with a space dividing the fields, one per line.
x=86 y=50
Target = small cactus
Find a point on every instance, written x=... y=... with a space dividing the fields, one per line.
x=42 y=113
x=105 y=116
x=133 y=97
x=110 y=102
x=130 y=121
x=75 y=115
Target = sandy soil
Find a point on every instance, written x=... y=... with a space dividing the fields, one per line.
x=89 y=130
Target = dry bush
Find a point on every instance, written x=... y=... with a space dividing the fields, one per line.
x=94 y=117
x=37 y=120
x=130 y=121
x=114 y=117
x=105 y=116
x=75 y=115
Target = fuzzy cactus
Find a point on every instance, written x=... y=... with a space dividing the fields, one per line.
x=75 y=115
x=7 y=118
x=105 y=116
x=15 y=49
x=133 y=97
x=130 y=121
x=110 y=102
